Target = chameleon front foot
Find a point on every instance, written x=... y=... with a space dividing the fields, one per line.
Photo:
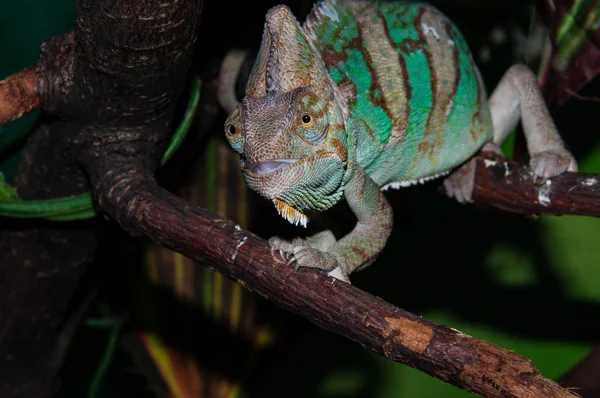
x=303 y=253
x=460 y=183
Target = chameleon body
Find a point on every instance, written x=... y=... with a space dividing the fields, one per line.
x=365 y=96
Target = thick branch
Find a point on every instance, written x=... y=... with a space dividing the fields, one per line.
x=18 y=95
x=111 y=86
x=477 y=366
x=507 y=185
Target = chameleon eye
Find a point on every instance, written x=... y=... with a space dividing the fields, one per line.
x=231 y=130
x=307 y=120
x=312 y=120
x=234 y=132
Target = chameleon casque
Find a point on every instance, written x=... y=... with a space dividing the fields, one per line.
x=365 y=96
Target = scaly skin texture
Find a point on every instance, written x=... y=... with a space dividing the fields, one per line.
x=365 y=96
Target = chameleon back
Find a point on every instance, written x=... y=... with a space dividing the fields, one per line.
x=417 y=104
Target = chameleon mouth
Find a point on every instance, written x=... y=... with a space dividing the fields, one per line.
x=269 y=166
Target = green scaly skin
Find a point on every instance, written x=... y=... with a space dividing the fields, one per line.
x=365 y=96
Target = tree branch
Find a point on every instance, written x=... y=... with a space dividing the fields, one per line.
x=584 y=378
x=133 y=198
x=109 y=87
x=18 y=95
x=508 y=186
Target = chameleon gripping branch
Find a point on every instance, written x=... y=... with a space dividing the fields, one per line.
x=508 y=186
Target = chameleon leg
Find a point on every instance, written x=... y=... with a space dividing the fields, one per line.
x=360 y=247
x=518 y=96
x=459 y=185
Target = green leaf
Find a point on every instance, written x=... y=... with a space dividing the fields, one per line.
x=6 y=191
x=186 y=122
x=50 y=208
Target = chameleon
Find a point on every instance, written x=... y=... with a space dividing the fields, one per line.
x=370 y=95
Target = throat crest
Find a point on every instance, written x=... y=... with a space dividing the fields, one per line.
x=289 y=213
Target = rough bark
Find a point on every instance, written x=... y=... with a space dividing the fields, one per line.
x=508 y=186
x=110 y=87
x=42 y=262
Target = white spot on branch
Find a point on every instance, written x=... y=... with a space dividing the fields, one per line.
x=461 y=334
x=489 y=163
x=589 y=182
x=237 y=247
x=506 y=169
x=544 y=194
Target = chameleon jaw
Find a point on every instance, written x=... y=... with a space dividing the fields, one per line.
x=291 y=214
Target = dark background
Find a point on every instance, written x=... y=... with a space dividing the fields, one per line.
x=528 y=286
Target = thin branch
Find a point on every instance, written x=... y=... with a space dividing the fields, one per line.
x=585 y=376
x=507 y=185
x=136 y=202
x=18 y=95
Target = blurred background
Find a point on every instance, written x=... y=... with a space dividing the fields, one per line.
x=164 y=326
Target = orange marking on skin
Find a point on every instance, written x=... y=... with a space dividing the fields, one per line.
x=340 y=149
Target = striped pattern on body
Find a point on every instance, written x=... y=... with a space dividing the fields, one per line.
x=417 y=103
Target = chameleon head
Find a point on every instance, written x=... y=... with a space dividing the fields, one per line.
x=289 y=130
